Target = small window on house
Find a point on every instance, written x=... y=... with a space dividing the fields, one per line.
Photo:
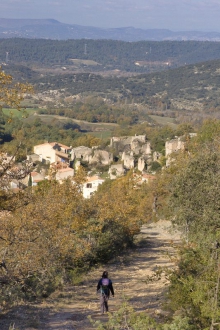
x=89 y=185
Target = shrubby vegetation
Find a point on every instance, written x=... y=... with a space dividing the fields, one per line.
x=127 y=318
x=96 y=110
x=193 y=184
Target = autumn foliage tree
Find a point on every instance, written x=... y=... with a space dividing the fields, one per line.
x=119 y=208
x=43 y=238
x=11 y=94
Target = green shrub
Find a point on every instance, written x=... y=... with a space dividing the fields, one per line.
x=155 y=166
x=127 y=318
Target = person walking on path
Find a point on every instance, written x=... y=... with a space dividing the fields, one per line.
x=105 y=287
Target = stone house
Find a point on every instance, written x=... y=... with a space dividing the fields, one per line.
x=141 y=164
x=146 y=149
x=116 y=170
x=173 y=146
x=124 y=140
x=64 y=173
x=34 y=178
x=128 y=160
x=101 y=157
x=33 y=158
x=81 y=153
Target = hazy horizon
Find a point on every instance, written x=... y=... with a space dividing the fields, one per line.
x=187 y=15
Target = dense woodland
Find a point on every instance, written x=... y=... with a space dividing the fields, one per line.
x=108 y=54
x=50 y=234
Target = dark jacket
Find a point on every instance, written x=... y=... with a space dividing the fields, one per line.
x=110 y=286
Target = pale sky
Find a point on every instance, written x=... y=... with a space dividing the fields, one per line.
x=176 y=15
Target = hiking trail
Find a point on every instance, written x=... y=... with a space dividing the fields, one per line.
x=69 y=309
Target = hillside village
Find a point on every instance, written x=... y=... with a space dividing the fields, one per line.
x=54 y=160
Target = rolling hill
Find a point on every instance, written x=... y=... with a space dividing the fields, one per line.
x=53 y=29
x=105 y=56
x=191 y=92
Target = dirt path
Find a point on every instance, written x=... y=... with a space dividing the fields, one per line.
x=69 y=309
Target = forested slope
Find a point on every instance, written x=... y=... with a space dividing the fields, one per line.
x=108 y=54
x=190 y=91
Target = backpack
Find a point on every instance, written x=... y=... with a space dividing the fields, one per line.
x=104 y=286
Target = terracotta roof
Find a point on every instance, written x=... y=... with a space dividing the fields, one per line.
x=93 y=178
x=34 y=173
x=59 y=165
x=65 y=169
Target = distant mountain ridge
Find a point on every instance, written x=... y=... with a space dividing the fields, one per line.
x=18 y=23
x=53 y=29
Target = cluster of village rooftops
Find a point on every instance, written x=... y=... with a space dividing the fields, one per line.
x=133 y=152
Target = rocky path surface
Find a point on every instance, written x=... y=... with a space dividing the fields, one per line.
x=133 y=278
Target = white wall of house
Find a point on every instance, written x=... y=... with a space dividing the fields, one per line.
x=46 y=152
x=91 y=186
